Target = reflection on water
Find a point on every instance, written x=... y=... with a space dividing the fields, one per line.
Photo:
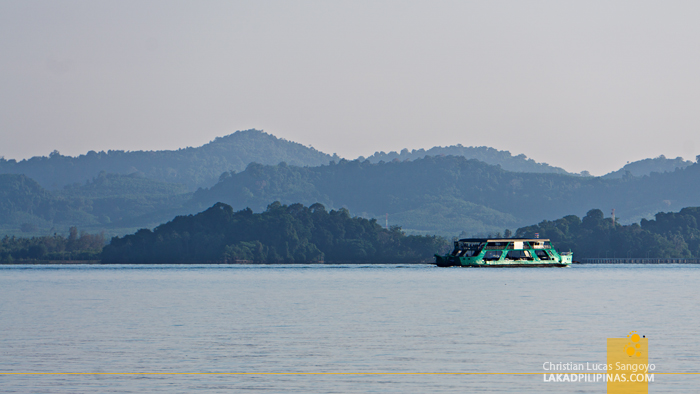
x=388 y=318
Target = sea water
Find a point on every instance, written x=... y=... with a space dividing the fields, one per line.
x=359 y=324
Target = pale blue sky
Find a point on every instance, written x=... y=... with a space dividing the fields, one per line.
x=585 y=85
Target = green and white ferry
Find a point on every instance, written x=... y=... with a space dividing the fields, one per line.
x=504 y=252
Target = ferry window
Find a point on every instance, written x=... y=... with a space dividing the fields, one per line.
x=538 y=245
x=519 y=255
x=542 y=255
x=467 y=249
x=493 y=255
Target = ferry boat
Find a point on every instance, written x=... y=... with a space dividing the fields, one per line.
x=504 y=252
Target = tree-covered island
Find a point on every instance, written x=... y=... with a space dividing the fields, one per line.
x=281 y=234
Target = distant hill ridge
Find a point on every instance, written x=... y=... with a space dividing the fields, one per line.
x=202 y=166
x=645 y=167
x=505 y=159
x=193 y=167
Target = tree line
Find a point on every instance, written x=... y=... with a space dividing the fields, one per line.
x=669 y=235
x=76 y=246
x=299 y=234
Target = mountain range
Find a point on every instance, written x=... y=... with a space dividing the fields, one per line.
x=443 y=190
x=202 y=166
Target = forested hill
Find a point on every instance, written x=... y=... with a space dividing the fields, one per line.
x=645 y=167
x=280 y=234
x=22 y=200
x=193 y=167
x=446 y=194
x=106 y=201
x=505 y=159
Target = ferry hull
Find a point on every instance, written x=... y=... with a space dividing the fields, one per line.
x=441 y=261
x=515 y=265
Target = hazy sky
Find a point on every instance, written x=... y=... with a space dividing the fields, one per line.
x=582 y=85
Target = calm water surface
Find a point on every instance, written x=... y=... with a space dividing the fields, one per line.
x=387 y=318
